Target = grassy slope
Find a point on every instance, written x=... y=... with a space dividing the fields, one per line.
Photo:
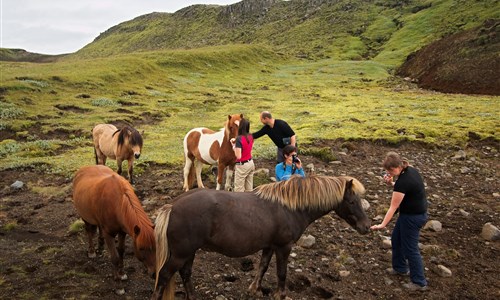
x=326 y=99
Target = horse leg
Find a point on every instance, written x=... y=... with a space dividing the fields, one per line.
x=185 y=272
x=91 y=230
x=199 y=166
x=131 y=170
x=100 y=241
x=220 y=174
x=229 y=178
x=121 y=246
x=281 y=265
x=187 y=169
x=267 y=254
x=119 y=162
x=116 y=259
x=166 y=281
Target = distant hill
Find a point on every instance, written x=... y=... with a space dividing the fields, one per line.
x=21 y=55
x=466 y=62
x=383 y=30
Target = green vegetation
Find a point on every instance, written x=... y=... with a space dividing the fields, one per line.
x=76 y=226
x=328 y=72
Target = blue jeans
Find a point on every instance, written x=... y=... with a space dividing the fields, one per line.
x=405 y=252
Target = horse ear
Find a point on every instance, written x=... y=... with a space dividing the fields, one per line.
x=229 y=117
x=142 y=132
x=241 y=116
x=348 y=185
x=137 y=230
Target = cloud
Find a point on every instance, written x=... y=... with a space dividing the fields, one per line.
x=61 y=26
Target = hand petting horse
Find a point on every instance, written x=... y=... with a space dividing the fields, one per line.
x=271 y=218
x=120 y=144
x=107 y=201
x=205 y=146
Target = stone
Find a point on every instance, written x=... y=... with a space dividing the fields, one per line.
x=433 y=225
x=17 y=185
x=306 y=241
x=490 y=232
x=443 y=271
x=365 y=204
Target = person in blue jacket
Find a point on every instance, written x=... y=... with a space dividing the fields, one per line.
x=290 y=166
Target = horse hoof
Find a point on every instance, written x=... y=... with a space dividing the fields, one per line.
x=120 y=292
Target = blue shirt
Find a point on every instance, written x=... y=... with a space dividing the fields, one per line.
x=284 y=173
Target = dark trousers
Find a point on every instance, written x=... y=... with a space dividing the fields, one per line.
x=405 y=252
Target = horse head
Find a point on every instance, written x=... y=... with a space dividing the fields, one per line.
x=131 y=139
x=231 y=126
x=144 y=249
x=350 y=208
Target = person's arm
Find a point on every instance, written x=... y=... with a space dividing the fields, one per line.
x=396 y=200
x=300 y=172
x=292 y=141
x=279 y=171
x=237 y=147
x=259 y=133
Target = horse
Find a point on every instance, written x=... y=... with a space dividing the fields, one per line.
x=107 y=201
x=205 y=146
x=120 y=144
x=272 y=217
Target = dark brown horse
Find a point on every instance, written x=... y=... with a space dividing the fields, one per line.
x=205 y=146
x=105 y=200
x=271 y=218
x=120 y=144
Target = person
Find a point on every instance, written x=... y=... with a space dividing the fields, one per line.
x=245 y=167
x=278 y=131
x=409 y=198
x=290 y=166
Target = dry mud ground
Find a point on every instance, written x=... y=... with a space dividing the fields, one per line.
x=39 y=259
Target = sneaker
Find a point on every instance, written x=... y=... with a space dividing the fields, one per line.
x=391 y=271
x=415 y=287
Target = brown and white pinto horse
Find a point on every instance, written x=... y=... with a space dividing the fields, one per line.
x=120 y=144
x=205 y=146
x=105 y=200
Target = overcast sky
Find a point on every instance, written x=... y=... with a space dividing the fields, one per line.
x=65 y=26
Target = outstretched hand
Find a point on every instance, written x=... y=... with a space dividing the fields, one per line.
x=377 y=227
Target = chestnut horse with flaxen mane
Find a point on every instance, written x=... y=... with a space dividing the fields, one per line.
x=205 y=146
x=105 y=200
x=120 y=144
x=270 y=218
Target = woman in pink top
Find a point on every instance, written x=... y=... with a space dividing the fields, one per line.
x=244 y=169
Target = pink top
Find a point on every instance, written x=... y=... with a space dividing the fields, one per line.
x=246 y=147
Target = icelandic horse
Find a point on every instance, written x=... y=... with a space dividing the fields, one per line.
x=205 y=146
x=271 y=218
x=120 y=144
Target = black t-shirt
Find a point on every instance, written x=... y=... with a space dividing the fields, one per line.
x=411 y=184
x=277 y=133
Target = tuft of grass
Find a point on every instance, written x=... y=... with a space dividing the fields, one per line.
x=324 y=153
x=76 y=227
x=10 y=226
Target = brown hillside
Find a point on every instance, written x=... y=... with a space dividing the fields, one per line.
x=467 y=62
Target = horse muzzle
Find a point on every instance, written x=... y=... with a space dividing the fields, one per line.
x=137 y=155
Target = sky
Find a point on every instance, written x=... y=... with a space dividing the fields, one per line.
x=65 y=26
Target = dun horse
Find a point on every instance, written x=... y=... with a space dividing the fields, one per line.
x=271 y=218
x=107 y=201
x=205 y=146
x=120 y=144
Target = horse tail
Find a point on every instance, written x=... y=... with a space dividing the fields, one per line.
x=162 y=251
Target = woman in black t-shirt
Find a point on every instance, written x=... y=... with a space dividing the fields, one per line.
x=409 y=198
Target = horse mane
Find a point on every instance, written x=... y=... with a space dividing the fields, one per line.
x=314 y=192
x=135 y=136
x=134 y=214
